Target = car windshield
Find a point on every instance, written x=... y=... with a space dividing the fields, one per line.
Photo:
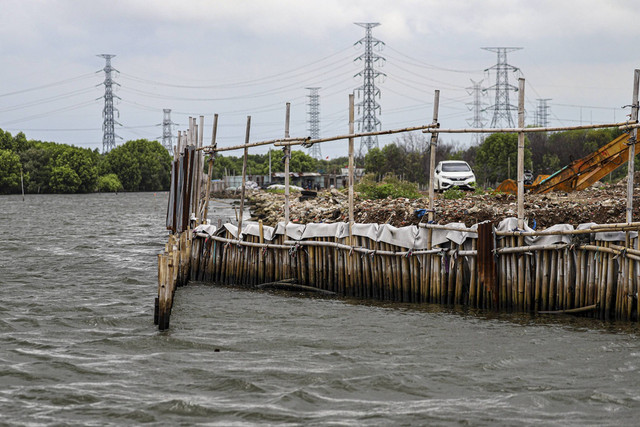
x=455 y=167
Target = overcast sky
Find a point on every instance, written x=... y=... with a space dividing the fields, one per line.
x=239 y=58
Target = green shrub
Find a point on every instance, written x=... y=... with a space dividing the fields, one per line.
x=453 y=193
x=390 y=186
x=109 y=183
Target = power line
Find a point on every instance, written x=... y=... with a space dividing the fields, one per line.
x=61 y=82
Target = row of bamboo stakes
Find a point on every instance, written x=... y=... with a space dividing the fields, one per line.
x=597 y=278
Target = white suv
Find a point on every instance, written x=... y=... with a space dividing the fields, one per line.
x=454 y=173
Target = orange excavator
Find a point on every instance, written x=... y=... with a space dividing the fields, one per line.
x=580 y=173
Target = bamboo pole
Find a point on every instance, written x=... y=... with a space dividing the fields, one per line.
x=287 y=158
x=351 y=165
x=432 y=166
x=205 y=215
x=300 y=141
x=520 y=165
x=621 y=125
x=244 y=177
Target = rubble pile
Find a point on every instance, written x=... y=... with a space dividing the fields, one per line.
x=602 y=204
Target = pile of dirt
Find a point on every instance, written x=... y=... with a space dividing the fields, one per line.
x=602 y=204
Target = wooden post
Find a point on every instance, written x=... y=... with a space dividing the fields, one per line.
x=244 y=176
x=630 y=167
x=432 y=166
x=632 y=149
x=201 y=176
x=520 y=166
x=521 y=155
x=351 y=166
x=213 y=144
x=287 y=157
x=486 y=261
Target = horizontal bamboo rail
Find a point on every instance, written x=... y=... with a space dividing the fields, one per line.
x=619 y=125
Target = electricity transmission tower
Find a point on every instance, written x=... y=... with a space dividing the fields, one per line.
x=369 y=122
x=542 y=112
x=478 y=120
x=314 y=121
x=502 y=108
x=167 y=134
x=109 y=122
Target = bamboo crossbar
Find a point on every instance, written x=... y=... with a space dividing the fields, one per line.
x=236 y=241
x=355 y=135
x=447 y=227
x=367 y=251
x=620 y=125
x=594 y=229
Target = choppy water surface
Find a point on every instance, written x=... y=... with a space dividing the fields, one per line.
x=78 y=344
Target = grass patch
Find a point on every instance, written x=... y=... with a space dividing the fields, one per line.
x=390 y=186
x=453 y=193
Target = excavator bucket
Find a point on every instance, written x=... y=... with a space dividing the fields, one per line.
x=580 y=173
x=508 y=186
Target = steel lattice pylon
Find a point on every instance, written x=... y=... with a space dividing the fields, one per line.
x=108 y=112
x=542 y=113
x=167 y=134
x=478 y=120
x=502 y=108
x=314 y=121
x=369 y=122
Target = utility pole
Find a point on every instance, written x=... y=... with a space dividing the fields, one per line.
x=314 y=121
x=502 y=108
x=369 y=122
x=109 y=122
x=478 y=120
x=167 y=133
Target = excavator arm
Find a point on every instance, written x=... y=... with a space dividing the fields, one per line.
x=580 y=173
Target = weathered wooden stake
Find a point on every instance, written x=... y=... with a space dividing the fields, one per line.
x=244 y=177
x=287 y=158
x=210 y=171
x=432 y=166
x=351 y=165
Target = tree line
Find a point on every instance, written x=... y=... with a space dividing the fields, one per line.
x=48 y=167
x=143 y=165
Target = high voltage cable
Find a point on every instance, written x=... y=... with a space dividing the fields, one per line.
x=37 y=116
x=440 y=82
x=229 y=85
x=46 y=100
x=245 y=82
x=431 y=66
x=274 y=91
x=47 y=85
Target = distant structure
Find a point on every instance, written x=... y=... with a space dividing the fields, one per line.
x=368 y=106
x=502 y=108
x=314 y=121
x=109 y=122
x=167 y=133
x=478 y=120
x=541 y=117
